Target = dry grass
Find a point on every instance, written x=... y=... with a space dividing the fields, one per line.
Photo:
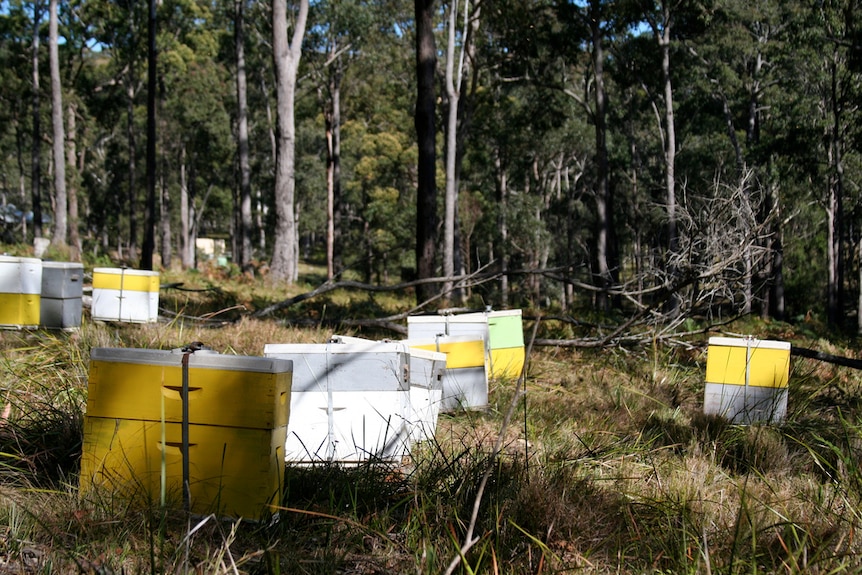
x=609 y=466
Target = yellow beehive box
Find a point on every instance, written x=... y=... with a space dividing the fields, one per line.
x=233 y=471
x=225 y=390
x=506 y=342
x=20 y=291
x=746 y=379
x=461 y=351
x=121 y=294
x=238 y=408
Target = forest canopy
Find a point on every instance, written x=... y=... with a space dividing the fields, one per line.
x=669 y=157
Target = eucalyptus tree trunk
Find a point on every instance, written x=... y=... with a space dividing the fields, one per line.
x=835 y=203
x=149 y=246
x=166 y=244
x=131 y=192
x=776 y=300
x=245 y=215
x=187 y=248
x=262 y=208
x=455 y=125
x=74 y=181
x=59 y=143
x=36 y=149
x=332 y=118
x=426 y=193
x=285 y=256
x=453 y=92
x=502 y=193
x=606 y=265
x=670 y=130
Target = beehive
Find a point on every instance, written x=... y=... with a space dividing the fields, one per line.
x=502 y=331
x=62 y=293
x=238 y=409
x=127 y=295
x=20 y=291
x=350 y=401
x=746 y=379
x=465 y=379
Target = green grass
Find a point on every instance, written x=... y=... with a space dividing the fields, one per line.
x=607 y=466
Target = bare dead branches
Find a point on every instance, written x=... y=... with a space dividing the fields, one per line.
x=724 y=246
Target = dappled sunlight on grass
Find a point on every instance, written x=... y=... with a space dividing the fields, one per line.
x=608 y=463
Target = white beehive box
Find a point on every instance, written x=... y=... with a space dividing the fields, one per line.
x=350 y=402
x=121 y=294
x=20 y=291
x=426 y=371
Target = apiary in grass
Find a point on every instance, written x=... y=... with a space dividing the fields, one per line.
x=350 y=402
x=746 y=379
x=465 y=379
x=502 y=331
x=238 y=409
x=127 y=295
x=62 y=294
x=20 y=291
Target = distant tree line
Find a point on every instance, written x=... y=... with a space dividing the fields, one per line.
x=664 y=157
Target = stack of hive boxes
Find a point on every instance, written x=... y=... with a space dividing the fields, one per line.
x=477 y=345
x=237 y=409
x=746 y=379
x=128 y=295
x=20 y=291
x=62 y=293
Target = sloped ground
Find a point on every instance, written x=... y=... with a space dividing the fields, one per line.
x=607 y=465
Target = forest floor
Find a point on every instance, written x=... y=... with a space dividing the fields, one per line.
x=606 y=464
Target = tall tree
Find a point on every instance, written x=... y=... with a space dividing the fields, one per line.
x=336 y=39
x=458 y=64
x=661 y=22
x=58 y=145
x=36 y=147
x=606 y=264
x=74 y=180
x=424 y=120
x=245 y=213
x=149 y=245
x=285 y=256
